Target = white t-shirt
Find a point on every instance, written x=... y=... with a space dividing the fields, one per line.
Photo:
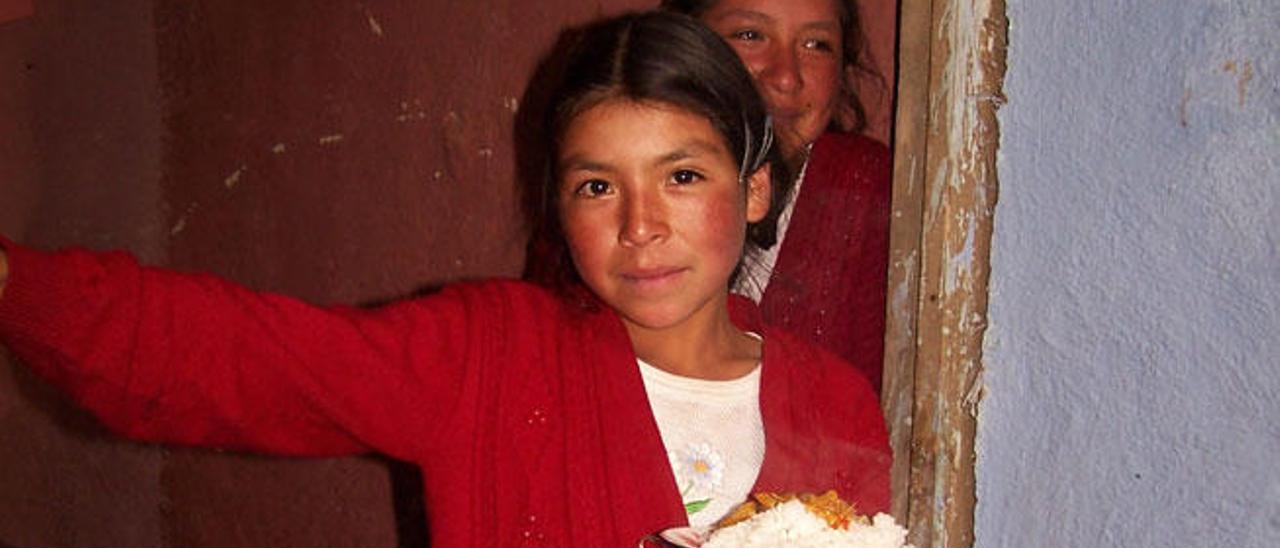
x=714 y=436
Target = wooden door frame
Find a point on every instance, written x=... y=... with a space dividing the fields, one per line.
x=951 y=61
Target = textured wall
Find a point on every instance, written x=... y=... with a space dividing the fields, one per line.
x=14 y=9
x=1133 y=365
x=79 y=162
x=347 y=152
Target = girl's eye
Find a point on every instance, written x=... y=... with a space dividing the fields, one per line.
x=686 y=176
x=747 y=35
x=819 y=45
x=592 y=188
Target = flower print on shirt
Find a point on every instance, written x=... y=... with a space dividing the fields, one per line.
x=699 y=470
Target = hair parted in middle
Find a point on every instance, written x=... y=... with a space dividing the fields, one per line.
x=665 y=58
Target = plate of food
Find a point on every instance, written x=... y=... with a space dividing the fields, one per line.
x=806 y=520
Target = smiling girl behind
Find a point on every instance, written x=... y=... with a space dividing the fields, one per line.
x=826 y=278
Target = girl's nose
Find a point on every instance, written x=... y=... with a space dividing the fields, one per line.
x=643 y=222
x=779 y=71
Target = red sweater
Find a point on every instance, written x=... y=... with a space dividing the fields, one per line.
x=829 y=282
x=527 y=415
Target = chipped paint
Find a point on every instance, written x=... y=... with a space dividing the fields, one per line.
x=511 y=103
x=234 y=178
x=901 y=336
x=331 y=139
x=374 y=26
x=960 y=262
x=900 y=295
x=411 y=116
x=279 y=148
x=967 y=56
x=181 y=224
x=973 y=395
x=411 y=113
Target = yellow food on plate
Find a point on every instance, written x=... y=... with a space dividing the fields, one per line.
x=829 y=506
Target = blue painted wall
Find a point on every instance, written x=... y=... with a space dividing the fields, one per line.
x=1132 y=365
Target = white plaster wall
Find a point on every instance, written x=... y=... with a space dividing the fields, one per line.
x=1132 y=364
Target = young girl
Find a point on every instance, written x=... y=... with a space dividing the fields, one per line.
x=636 y=398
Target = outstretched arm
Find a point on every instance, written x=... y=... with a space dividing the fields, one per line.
x=194 y=359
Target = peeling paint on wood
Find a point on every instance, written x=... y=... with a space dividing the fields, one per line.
x=898 y=392
x=945 y=176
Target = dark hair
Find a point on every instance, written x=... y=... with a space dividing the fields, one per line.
x=857 y=59
x=655 y=57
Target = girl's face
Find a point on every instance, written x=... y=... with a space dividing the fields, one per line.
x=794 y=50
x=653 y=211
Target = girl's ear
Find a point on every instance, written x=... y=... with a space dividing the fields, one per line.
x=759 y=190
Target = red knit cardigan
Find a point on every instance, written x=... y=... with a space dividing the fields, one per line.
x=828 y=284
x=527 y=415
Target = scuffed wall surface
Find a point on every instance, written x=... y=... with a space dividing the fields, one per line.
x=77 y=167
x=1132 y=363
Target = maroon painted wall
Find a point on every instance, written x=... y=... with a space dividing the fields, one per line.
x=79 y=162
x=14 y=9
x=336 y=152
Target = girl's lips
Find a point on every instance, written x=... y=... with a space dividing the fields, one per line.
x=650 y=277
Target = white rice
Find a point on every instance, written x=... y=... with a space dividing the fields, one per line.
x=790 y=524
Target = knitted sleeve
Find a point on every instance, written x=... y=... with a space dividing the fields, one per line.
x=194 y=359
